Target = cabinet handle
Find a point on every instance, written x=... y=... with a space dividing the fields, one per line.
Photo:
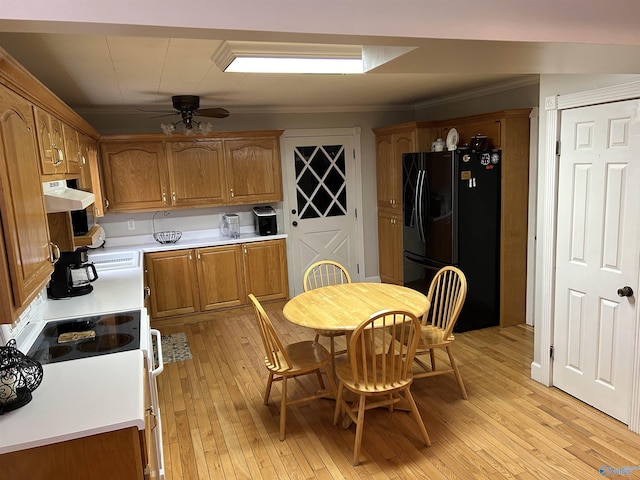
x=164 y=198
x=147 y=291
x=106 y=203
x=198 y=255
x=55 y=253
x=232 y=193
x=84 y=160
x=190 y=257
x=59 y=157
x=153 y=414
x=173 y=198
x=245 y=249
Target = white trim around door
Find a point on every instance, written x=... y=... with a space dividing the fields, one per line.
x=541 y=367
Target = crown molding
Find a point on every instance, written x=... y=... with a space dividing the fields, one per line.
x=480 y=92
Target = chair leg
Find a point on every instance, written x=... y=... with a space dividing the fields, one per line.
x=336 y=411
x=317 y=338
x=319 y=375
x=417 y=417
x=359 y=428
x=433 y=359
x=457 y=374
x=283 y=408
x=268 y=391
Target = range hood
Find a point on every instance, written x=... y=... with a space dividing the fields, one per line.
x=58 y=197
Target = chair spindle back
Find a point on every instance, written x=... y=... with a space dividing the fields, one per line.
x=276 y=356
x=324 y=273
x=447 y=293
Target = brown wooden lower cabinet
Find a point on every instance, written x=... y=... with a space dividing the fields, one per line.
x=110 y=455
x=182 y=282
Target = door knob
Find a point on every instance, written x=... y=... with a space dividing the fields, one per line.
x=625 y=292
x=295 y=224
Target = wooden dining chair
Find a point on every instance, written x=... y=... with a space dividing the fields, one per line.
x=290 y=361
x=446 y=294
x=322 y=274
x=381 y=351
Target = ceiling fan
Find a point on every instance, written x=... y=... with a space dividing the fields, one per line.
x=188 y=107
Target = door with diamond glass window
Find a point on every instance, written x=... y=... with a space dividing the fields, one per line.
x=322 y=203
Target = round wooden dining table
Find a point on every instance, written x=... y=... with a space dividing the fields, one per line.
x=345 y=306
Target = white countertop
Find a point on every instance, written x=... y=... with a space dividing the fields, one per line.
x=73 y=401
x=114 y=290
x=189 y=239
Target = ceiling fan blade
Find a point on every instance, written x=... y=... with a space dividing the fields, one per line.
x=212 y=112
x=166 y=115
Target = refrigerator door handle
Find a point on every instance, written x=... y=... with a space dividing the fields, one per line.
x=424 y=205
x=419 y=192
x=414 y=208
x=418 y=204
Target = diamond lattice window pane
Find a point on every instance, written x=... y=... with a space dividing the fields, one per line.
x=320 y=181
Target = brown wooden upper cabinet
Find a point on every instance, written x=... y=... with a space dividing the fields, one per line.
x=196 y=173
x=135 y=176
x=90 y=178
x=50 y=142
x=254 y=173
x=71 y=149
x=143 y=173
x=26 y=261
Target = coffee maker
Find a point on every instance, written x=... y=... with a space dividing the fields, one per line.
x=72 y=275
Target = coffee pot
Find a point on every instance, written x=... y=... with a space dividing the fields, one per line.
x=72 y=275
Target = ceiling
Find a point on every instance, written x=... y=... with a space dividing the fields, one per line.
x=126 y=67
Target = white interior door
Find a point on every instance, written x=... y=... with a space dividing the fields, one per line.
x=322 y=203
x=597 y=254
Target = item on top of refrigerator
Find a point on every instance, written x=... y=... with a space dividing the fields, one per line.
x=438 y=145
x=452 y=139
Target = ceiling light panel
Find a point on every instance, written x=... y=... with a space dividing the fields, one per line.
x=270 y=57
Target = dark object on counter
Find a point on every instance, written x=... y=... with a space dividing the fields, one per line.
x=265 y=220
x=72 y=275
x=480 y=143
x=19 y=376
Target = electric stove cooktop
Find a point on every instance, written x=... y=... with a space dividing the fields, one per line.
x=89 y=336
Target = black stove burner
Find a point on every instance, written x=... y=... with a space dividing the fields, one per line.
x=113 y=332
x=105 y=343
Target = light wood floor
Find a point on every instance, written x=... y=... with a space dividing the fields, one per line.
x=216 y=426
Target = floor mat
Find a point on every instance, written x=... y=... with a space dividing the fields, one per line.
x=175 y=348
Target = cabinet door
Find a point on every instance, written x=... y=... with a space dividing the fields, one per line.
x=220 y=282
x=402 y=142
x=390 y=247
x=265 y=269
x=254 y=172
x=90 y=178
x=172 y=283
x=385 y=172
x=50 y=143
x=71 y=149
x=196 y=173
x=135 y=176
x=22 y=210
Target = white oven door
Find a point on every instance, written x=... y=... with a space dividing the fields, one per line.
x=153 y=388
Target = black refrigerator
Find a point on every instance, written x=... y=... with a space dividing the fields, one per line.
x=451 y=216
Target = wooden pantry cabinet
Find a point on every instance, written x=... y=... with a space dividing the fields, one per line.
x=391 y=143
x=182 y=282
x=507 y=130
x=151 y=172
